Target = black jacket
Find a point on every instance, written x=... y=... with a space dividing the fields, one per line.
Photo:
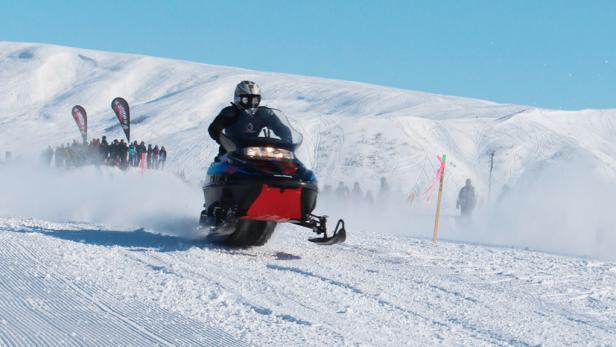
x=241 y=124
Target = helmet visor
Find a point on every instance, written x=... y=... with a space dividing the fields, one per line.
x=250 y=100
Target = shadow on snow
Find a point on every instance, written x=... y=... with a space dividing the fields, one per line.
x=136 y=240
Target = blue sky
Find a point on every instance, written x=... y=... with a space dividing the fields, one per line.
x=557 y=54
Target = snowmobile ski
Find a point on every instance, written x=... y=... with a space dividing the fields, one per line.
x=339 y=236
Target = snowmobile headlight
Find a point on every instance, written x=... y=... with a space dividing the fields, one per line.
x=270 y=153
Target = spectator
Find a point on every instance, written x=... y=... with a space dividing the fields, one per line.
x=132 y=154
x=149 y=156
x=327 y=192
x=67 y=156
x=155 y=157
x=141 y=153
x=342 y=192
x=162 y=157
x=104 y=150
x=59 y=156
x=123 y=153
x=47 y=156
x=357 y=193
x=384 y=190
x=466 y=199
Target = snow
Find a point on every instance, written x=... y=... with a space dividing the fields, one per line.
x=373 y=290
x=95 y=253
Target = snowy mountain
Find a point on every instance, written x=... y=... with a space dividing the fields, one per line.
x=353 y=131
x=77 y=240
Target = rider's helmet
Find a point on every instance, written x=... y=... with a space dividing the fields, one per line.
x=247 y=95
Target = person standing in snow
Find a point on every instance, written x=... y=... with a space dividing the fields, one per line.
x=104 y=150
x=356 y=193
x=245 y=118
x=141 y=150
x=162 y=157
x=342 y=192
x=123 y=153
x=68 y=156
x=384 y=190
x=132 y=153
x=114 y=153
x=47 y=156
x=155 y=152
x=59 y=156
x=148 y=156
x=466 y=199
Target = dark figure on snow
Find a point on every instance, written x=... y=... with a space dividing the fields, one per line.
x=68 y=156
x=162 y=157
x=104 y=150
x=356 y=193
x=466 y=199
x=327 y=192
x=132 y=153
x=148 y=156
x=155 y=153
x=245 y=118
x=123 y=153
x=342 y=192
x=384 y=190
x=59 y=156
x=47 y=156
x=141 y=150
x=114 y=153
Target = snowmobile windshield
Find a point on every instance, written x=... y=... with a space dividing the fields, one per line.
x=262 y=126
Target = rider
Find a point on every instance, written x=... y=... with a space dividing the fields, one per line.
x=245 y=118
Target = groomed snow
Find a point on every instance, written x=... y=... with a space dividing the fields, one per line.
x=77 y=282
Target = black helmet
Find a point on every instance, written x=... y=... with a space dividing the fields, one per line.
x=247 y=95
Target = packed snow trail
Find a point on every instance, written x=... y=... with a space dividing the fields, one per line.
x=79 y=284
x=40 y=305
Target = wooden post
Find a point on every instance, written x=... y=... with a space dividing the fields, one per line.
x=438 y=203
x=490 y=181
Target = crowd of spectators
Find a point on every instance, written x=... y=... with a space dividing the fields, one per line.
x=344 y=193
x=116 y=153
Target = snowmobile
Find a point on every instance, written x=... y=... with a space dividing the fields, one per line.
x=260 y=183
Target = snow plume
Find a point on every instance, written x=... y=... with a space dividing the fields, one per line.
x=564 y=207
x=154 y=200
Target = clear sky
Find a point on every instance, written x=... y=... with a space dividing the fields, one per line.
x=548 y=53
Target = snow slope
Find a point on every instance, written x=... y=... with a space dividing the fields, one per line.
x=83 y=238
x=353 y=131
